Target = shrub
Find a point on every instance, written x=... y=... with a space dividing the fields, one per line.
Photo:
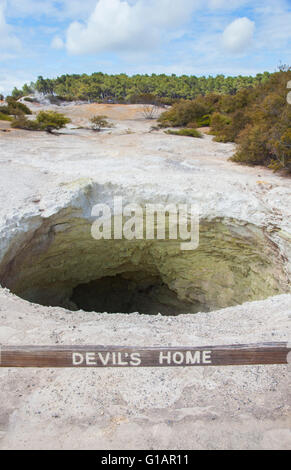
x=30 y=100
x=266 y=137
x=186 y=133
x=204 y=121
x=182 y=113
x=45 y=121
x=15 y=108
x=4 y=110
x=196 y=111
x=226 y=128
x=219 y=126
x=5 y=117
x=252 y=146
x=50 y=120
x=150 y=111
x=281 y=151
x=21 y=122
x=99 y=122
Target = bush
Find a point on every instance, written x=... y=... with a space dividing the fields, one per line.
x=252 y=146
x=45 y=121
x=30 y=100
x=50 y=120
x=186 y=133
x=150 y=111
x=4 y=110
x=204 y=121
x=21 y=122
x=226 y=128
x=266 y=136
x=182 y=114
x=281 y=151
x=5 y=117
x=219 y=125
x=99 y=122
x=15 y=108
x=196 y=111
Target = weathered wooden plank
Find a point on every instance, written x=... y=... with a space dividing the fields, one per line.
x=124 y=356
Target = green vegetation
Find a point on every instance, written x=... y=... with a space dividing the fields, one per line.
x=30 y=100
x=50 y=120
x=263 y=130
x=258 y=119
x=22 y=122
x=195 y=113
x=45 y=121
x=99 y=122
x=14 y=108
x=137 y=88
x=5 y=117
x=185 y=132
x=251 y=111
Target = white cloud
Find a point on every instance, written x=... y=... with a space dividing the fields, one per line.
x=117 y=25
x=57 y=43
x=185 y=36
x=238 y=35
x=8 y=42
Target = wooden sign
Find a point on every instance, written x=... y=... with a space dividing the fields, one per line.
x=123 y=356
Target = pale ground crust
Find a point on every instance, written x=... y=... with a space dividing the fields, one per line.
x=177 y=408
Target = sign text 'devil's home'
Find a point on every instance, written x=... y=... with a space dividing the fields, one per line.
x=123 y=356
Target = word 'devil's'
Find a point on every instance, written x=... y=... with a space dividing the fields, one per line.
x=135 y=359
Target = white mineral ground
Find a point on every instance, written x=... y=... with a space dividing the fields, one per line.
x=240 y=275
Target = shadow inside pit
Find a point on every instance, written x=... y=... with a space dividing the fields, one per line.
x=128 y=293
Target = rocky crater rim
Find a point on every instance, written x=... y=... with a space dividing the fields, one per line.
x=55 y=261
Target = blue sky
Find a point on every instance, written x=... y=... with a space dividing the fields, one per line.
x=200 y=37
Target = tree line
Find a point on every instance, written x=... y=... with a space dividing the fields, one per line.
x=251 y=111
x=122 y=88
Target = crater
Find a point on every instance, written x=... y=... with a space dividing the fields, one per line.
x=61 y=264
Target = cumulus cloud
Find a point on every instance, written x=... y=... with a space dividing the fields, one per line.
x=8 y=42
x=118 y=25
x=238 y=35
